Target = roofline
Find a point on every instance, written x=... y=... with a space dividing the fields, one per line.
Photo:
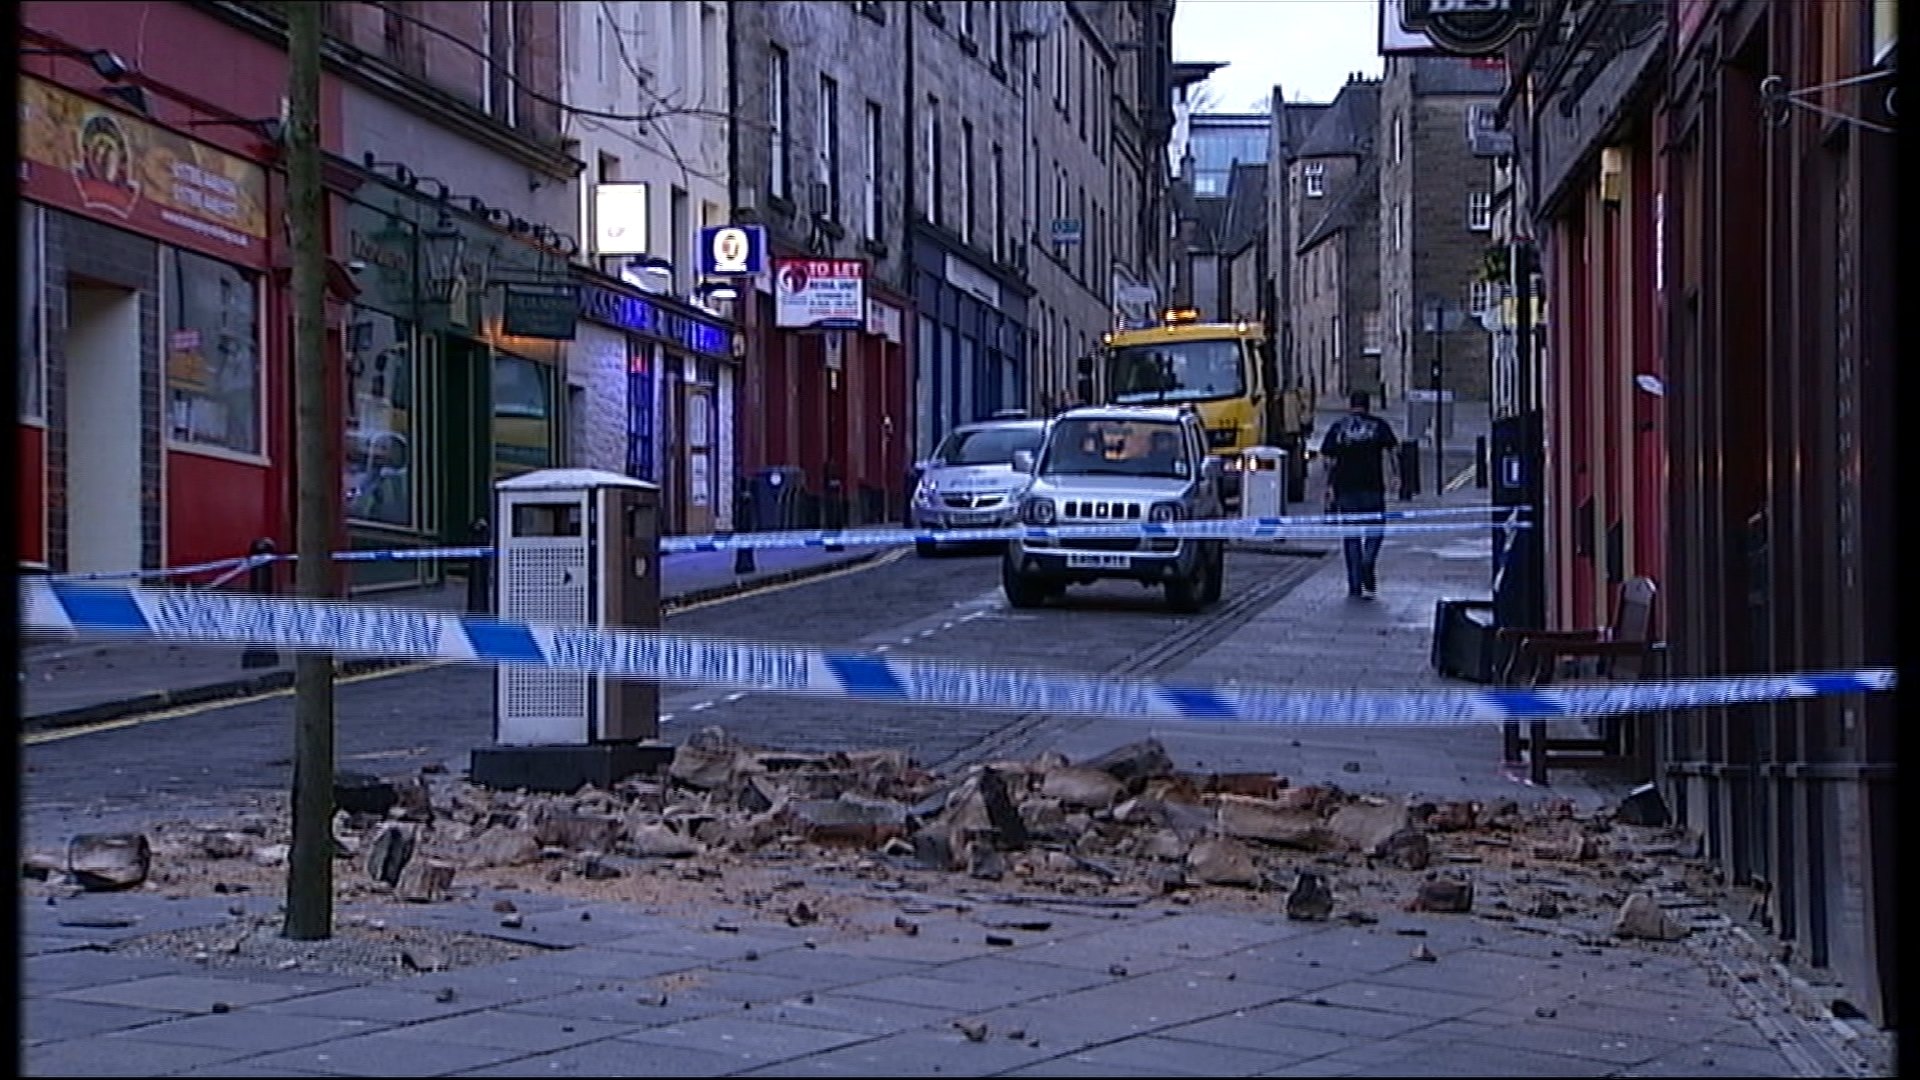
x=1188 y=72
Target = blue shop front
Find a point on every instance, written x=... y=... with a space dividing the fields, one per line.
x=971 y=348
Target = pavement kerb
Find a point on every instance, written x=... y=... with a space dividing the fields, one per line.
x=270 y=681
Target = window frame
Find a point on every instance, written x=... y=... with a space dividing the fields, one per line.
x=875 y=139
x=829 y=151
x=407 y=331
x=1480 y=211
x=1314 y=183
x=779 y=113
x=33 y=234
x=171 y=293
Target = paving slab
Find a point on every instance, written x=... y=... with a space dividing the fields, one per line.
x=1716 y=1058
x=750 y=1041
x=1068 y=1065
x=54 y=972
x=1383 y=997
x=119 y=1057
x=1464 y=1059
x=920 y=1052
x=612 y=1057
x=1103 y=950
x=600 y=964
x=740 y=986
x=839 y=1012
x=1254 y=1029
x=632 y=1006
x=1019 y=977
x=1546 y=1036
x=703 y=945
x=1619 y=1014
x=522 y=1032
x=934 y=991
x=387 y=1054
x=255 y=1032
x=398 y=1004
x=183 y=993
x=489 y=986
x=1478 y=974
x=1355 y=1023
x=47 y=1019
x=1170 y=1057
x=806 y=964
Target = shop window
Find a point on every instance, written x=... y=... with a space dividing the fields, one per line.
x=382 y=447
x=522 y=415
x=213 y=354
x=32 y=316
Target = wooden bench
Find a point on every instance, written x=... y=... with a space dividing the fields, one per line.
x=1534 y=658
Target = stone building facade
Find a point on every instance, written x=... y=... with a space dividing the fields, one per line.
x=1333 y=193
x=1435 y=224
x=1292 y=122
x=1071 y=213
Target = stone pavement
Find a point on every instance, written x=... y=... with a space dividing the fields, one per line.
x=1150 y=990
x=89 y=681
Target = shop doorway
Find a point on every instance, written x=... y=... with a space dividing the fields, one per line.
x=103 y=448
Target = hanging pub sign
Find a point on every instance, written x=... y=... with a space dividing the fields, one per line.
x=1468 y=27
x=539 y=311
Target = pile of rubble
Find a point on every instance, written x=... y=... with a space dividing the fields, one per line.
x=1124 y=827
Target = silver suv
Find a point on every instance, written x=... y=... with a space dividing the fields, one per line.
x=970 y=481
x=1118 y=464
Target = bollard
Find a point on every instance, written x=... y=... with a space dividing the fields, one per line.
x=260 y=581
x=480 y=572
x=1409 y=469
x=833 y=511
x=1480 y=462
x=743 y=522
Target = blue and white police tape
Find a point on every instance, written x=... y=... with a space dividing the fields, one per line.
x=243 y=561
x=1219 y=529
x=224 y=619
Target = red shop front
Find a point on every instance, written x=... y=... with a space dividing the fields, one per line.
x=152 y=421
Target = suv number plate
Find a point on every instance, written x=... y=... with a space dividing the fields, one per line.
x=1098 y=562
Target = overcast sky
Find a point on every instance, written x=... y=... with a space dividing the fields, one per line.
x=1309 y=47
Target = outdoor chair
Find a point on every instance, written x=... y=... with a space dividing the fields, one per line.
x=1535 y=658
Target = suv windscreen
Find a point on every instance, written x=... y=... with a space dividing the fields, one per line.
x=1116 y=448
x=986 y=446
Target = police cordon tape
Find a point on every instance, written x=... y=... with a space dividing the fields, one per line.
x=180 y=615
x=1305 y=527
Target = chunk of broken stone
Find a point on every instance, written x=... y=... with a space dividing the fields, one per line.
x=1262 y=819
x=1253 y=784
x=41 y=865
x=554 y=827
x=1453 y=816
x=859 y=821
x=1366 y=827
x=595 y=866
x=1445 y=893
x=708 y=759
x=1643 y=806
x=270 y=854
x=1407 y=849
x=389 y=852
x=1165 y=845
x=103 y=862
x=997 y=800
x=425 y=881
x=1642 y=917
x=985 y=862
x=1221 y=860
x=1083 y=787
x=652 y=840
x=412 y=799
x=1310 y=898
x=504 y=846
x=225 y=844
x=1135 y=763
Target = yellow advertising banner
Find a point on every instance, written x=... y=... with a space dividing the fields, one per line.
x=78 y=153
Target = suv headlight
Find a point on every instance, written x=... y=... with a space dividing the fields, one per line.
x=925 y=490
x=1165 y=512
x=1037 y=511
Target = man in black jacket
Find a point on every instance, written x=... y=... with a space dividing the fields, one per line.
x=1359 y=452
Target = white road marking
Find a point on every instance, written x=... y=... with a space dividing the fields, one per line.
x=881 y=648
x=736 y=695
x=700 y=706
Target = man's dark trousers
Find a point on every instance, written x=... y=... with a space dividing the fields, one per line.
x=1363 y=551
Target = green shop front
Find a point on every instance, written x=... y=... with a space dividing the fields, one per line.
x=453 y=358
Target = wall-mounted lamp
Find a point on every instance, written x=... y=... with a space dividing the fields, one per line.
x=272 y=128
x=107 y=65
x=445 y=249
x=721 y=291
x=1651 y=384
x=133 y=97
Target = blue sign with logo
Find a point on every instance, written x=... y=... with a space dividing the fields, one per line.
x=733 y=250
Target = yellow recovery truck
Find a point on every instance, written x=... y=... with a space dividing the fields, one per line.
x=1228 y=371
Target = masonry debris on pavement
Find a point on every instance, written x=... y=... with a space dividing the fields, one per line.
x=809 y=839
